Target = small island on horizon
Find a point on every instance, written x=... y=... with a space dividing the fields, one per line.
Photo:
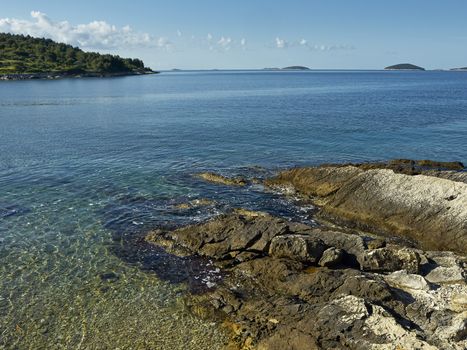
x=404 y=66
x=296 y=68
x=24 y=57
x=287 y=68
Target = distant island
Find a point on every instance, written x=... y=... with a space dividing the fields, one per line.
x=296 y=68
x=287 y=68
x=404 y=66
x=459 y=69
x=25 y=57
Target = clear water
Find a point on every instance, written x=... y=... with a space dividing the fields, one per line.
x=87 y=166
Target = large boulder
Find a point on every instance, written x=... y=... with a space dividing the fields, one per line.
x=407 y=281
x=430 y=211
x=390 y=259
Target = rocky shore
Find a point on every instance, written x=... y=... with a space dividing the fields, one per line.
x=60 y=75
x=384 y=269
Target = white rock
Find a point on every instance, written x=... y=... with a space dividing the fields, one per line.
x=407 y=281
x=380 y=323
x=443 y=274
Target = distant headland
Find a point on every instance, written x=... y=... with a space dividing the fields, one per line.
x=288 y=68
x=24 y=57
x=404 y=66
x=296 y=68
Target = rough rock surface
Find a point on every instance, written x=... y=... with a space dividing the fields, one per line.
x=391 y=259
x=430 y=211
x=331 y=257
x=216 y=178
x=276 y=296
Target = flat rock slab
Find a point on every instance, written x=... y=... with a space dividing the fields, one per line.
x=429 y=210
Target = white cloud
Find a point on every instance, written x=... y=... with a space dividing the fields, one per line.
x=221 y=43
x=93 y=35
x=243 y=43
x=330 y=47
x=224 y=43
x=179 y=33
x=281 y=43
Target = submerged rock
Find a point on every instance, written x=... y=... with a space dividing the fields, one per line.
x=195 y=203
x=219 y=179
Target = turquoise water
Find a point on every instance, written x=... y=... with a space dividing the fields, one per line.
x=88 y=166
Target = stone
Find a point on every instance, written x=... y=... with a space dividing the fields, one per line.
x=391 y=259
x=332 y=257
x=456 y=331
x=443 y=274
x=376 y=243
x=302 y=248
x=345 y=311
x=352 y=244
x=223 y=180
x=407 y=281
x=458 y=302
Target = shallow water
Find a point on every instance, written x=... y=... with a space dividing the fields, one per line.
x=87 y=166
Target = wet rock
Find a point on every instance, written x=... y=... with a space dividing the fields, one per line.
x=314 y=182
x=431 y=164
x=223 y=180
x=297 y=247
x=331 y=257
x=390 y=259
x=430 y=211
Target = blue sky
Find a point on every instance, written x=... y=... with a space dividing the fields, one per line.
x=204 y=34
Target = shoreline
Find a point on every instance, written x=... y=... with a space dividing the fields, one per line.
x=348 y=281
x=56 y=76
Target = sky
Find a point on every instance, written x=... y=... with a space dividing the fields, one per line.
x=250 y=34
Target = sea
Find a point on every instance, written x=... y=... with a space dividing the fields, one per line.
x=89 y=166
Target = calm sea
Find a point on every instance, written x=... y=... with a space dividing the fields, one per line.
x=87 y=166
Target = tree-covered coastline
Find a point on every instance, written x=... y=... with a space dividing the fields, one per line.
x=27 y=57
